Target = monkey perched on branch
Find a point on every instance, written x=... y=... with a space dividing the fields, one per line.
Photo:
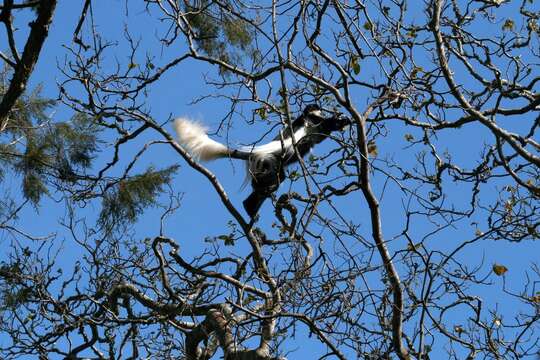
x=265 y=163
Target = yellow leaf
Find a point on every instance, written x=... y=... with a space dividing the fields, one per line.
x=355 y=65
x=262 y=112
x=499 y=270
x=532 y=25
x=508 y=25
x=356 y=68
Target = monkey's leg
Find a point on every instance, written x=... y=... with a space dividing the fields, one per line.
x=266 y=173
x=253 y=202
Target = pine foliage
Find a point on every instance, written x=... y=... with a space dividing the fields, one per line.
x=127 y=199
x=218 y=33
x=40 y=151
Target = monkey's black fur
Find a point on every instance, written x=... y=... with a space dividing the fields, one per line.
x=269 y=172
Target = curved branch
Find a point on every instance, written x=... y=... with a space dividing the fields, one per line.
x=445 y=68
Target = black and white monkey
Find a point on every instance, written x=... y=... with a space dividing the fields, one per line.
x=265 y=163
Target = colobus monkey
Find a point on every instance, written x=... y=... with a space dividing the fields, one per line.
x=265 y=163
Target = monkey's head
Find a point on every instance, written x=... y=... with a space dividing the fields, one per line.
x=337 y=121
x=313 y=110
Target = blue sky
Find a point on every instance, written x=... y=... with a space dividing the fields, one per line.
x=201 y=213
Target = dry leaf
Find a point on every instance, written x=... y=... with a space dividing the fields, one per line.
x=499 y=270
x=372 y=148
x=459 y=329
x=355 y=65
x=508 y=25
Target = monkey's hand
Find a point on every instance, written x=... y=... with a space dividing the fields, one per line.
x=342 y=121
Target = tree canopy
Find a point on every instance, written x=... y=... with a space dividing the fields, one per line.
x=412 y=234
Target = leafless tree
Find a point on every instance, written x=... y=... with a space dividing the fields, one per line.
x=372 y=248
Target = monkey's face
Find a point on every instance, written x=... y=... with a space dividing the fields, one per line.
x=313 y=110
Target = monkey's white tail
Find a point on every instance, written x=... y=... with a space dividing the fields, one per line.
x=193 y=137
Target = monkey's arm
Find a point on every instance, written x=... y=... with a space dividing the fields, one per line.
x=335 y=123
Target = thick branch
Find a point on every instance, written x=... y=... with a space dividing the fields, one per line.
x=38 y=34
x=162 y=308
x=376 y=228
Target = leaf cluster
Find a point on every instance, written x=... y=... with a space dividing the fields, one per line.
x=127 y=199
x=40 y=151
x=217 y=32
